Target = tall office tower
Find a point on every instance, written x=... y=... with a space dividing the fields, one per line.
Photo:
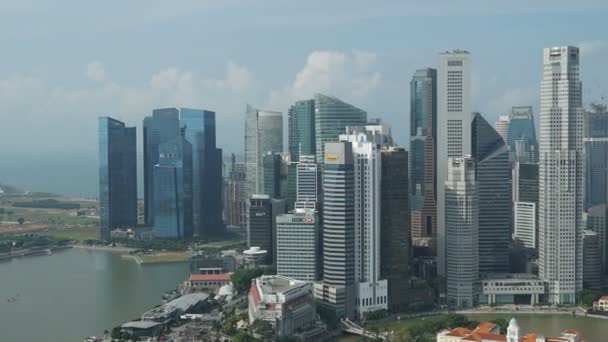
x=173 y=190
x=298 y=250
x=525 y=197
x=561 y=173
x=241 y=193
x=423 y=114
x=117 y=176
x=453 y=129
x=307 y=182
x=461 y=218
x=521 y=136
x=596 y=156
x=371 y=291
x=278 y=207
x=206 y=170
x=396 y=246
x=161 y=127
x=493 y=175
x=597 y=222
x=260 y=224
x=331 y=118
x=301 y=122
x=502 y=126
x=525 y=223
x=271 y=173
x=592 y=262
x=336 y=292
x=263 y=133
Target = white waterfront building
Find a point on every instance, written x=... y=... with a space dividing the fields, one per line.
x=454 y=116
x=462 y=233
x=561 y=176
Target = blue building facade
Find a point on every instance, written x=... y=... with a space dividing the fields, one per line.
x=173 y=190
x=521 y=136
x=161 y=127
x=423 y=109
x=117 y=176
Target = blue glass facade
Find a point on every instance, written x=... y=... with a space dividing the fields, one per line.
x=596 y=156
x=173 y=190
x=301 y=121
x=423 y=110
x=521 y=136
x=161 y=127
x=117 y=176
x=207 y=167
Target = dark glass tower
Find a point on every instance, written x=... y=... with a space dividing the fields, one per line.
x=260 y=224
x=493 y=176
x=207 y=170
x=596 y=156
x=423 y=115
x=173 y=190
x=301 y=121
x=117 y=176
x=161 y=127
x=395 y=233
x=521 y=136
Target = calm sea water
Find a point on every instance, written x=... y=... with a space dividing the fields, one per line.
x=77 y=293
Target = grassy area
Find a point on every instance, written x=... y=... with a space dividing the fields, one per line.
x=400 y=326
x=78 y=234
x=164 y=257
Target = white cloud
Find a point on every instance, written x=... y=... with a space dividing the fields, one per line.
x=348 y=75
x=592 y=47
x=95 y=72
x=61 y=115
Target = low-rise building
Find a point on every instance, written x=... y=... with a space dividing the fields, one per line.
x=601 y=304
x=287 y=304
x=511 y=288
x=200 y=282
x=490 y=332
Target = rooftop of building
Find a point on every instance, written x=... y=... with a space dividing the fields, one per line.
x=210 y=277
x=141 y=324
x=506 y=276
x=273 y=284
x=488 y=332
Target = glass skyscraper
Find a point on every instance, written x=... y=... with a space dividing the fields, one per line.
x=207 y=167
x=263 y=133
x=493 y=176
x=521 y=136
x=331 y=118
x=596 y=156
x=117 y=176
x=301 y=121
x=423 y=115
x=161 y=127
x=173 y=190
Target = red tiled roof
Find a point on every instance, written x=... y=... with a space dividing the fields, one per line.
x=570 y=331
x=255 y=295
x=485 y=327
x=210 y=277
x=482 y=336
x=459 y=332
x=604 y=298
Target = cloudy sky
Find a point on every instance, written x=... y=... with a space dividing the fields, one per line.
x=65 y=62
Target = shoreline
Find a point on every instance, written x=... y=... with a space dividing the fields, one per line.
x=107 y=248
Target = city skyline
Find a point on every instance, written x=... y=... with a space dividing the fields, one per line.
x=348 y=63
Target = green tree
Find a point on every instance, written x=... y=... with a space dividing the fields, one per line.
x=502 y=323
x=263 y=328
x=20 y=220
x=243 y=336
x=589 y=296
x=241 y=280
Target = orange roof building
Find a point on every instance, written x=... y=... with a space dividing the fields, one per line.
x=490 y=332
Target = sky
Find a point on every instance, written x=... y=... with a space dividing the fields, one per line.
x=63 y=63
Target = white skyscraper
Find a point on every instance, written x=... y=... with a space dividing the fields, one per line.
x=561 y=175
x=307 y=183
x=454 y=118
x=462 y=232
x=371 y=291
